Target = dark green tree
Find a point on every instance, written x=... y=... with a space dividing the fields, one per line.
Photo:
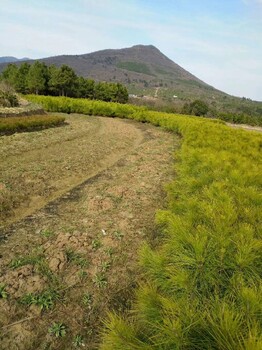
x=121 y=93
x=85 y=88
x=101 y=92
x=10 y=74
x=21 y=78
x=37 y=78
x=53 y=88
x=197 y=107
x=66 y=80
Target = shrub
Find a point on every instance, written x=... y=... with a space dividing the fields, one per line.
x=16 y=124
x=8 y=97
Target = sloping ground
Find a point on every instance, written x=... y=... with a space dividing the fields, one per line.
x=203 y=282
x=98 y=182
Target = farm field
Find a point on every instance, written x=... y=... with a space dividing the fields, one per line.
x=201 y=266
x=76 y=204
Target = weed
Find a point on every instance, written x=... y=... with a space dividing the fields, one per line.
x=3 y=292
x=57 y=329
x=118 y=235
x=104 y=266
x=76 y=258
x=109 y=251
x=44 y=269
x=82 y=275
x=87 y=299
x=78 y=341
x=14 y=264
x=27 y=260
x=47 y=233
x=96 y=244
x=100 y=280
x=44 y=300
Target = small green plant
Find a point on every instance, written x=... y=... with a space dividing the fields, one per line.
x=87 y=299
x=27 y=260
x=76 y=258
x=118 y=235
x=109 y=251
x=96 y=244
x=3 y=292
x=104 y=266
x=42 y=267
x=44 y=300
x=14 y=264
x=82 y=275
x=47 y=233
x=57 y=329
x=100 y=280
x=78 y=341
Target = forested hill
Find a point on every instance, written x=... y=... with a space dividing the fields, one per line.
x=145 y=70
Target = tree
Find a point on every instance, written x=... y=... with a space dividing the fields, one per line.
x=10 y=74
x=85 y=88
x=37 y=78
x=53 y=87
x=121 y=93
x=66 y=80
x=197 y=107
x=21 y=78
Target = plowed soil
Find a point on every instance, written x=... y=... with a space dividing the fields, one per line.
x=76 y=203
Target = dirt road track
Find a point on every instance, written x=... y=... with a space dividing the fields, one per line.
x=245 y=127
x=38 y=167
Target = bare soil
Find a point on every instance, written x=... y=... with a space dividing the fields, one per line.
x=77 y=203
x=245 y=127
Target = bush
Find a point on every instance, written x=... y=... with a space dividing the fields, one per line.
x=8 y=97
x=197 y=107
x=16 y=124
x=203 y=285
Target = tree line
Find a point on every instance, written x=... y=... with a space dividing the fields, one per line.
x=40 y=79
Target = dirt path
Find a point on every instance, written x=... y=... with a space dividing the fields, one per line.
x=246 y=127
x=76 y=256
x=40 y=166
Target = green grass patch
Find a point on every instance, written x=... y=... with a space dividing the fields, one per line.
x=135 y=67
x=203 y=287
x=12 y=125
x=44 y=300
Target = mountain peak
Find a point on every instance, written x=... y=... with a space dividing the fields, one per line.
x=141 y=46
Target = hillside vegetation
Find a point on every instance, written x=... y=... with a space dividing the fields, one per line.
x=40 y=79
x=202 y=288
x=146 y=71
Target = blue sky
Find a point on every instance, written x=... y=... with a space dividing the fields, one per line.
x=219 y=41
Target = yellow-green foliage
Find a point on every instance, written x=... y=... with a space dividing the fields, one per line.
x=14 y=124
x=203 y=285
